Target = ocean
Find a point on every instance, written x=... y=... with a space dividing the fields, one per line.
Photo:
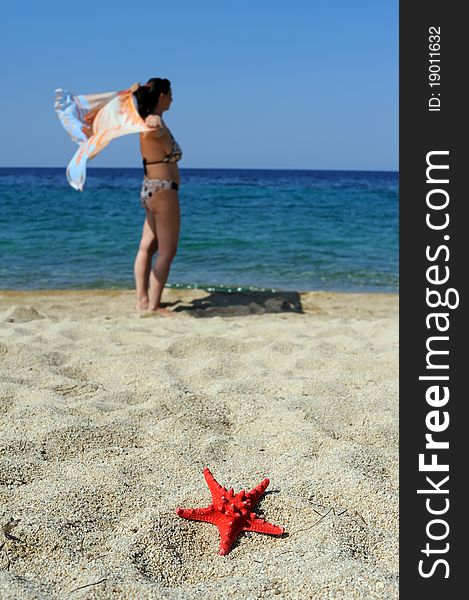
x=241 y=229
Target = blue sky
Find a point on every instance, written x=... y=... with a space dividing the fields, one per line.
x=256 y=84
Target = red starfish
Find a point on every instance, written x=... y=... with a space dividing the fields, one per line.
x=231 y=513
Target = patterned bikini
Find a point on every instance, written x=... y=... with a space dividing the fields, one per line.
x=151 y=186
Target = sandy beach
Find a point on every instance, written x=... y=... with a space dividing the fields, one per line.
x=108 y=417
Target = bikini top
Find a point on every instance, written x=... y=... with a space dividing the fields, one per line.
x=173 y=156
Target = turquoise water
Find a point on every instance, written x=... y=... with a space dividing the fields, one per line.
x=248 y=229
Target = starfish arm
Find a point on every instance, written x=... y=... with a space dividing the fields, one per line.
x=215 y=488
x=208 y=514
x=256 y=493
x=261 y=526
x=228 y=534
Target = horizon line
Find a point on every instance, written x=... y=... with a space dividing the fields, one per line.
x=222 y=169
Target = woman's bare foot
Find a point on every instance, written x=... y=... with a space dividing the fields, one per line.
x=162 y=310
x=142 y=304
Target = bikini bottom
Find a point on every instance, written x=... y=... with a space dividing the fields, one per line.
x=151 y=186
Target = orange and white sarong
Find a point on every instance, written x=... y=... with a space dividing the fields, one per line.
x=92 y=121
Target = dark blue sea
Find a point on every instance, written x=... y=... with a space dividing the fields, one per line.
x=247 y=228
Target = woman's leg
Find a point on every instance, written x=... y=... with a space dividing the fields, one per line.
x=142 y=266
x=165 y=207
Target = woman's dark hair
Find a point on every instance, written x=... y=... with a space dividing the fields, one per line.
x=147 y=95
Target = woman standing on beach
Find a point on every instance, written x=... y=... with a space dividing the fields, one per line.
x=158 y=196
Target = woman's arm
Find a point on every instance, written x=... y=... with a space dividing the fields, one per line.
x=158 y=131
x=155 y=123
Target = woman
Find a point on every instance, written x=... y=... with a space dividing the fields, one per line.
x=158 y=196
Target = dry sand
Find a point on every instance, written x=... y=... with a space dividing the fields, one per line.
x=107 y=420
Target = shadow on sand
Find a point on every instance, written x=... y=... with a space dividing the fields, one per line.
x=239 y=303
